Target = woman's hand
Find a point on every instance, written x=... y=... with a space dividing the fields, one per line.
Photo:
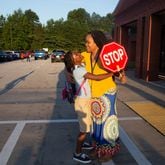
x=122 y=77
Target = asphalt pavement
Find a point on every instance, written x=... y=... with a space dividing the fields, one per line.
x=37 y=127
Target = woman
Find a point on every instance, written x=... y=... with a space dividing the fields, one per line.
x=103 y=105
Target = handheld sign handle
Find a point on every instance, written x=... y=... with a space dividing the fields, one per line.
x=118 y=68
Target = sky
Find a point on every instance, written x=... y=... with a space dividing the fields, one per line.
x=57 y=9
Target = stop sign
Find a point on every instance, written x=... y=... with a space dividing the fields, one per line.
x=113 y=57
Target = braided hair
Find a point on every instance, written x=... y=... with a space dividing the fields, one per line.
x=68 y=61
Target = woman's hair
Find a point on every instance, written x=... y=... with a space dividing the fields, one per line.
x=68 y=61
x=99 y=38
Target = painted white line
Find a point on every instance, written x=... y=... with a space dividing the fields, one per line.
x=129 y=118
x=132 y=148
x=12 y=140
x=40 y=121
x=59 y=120
x=10 y=144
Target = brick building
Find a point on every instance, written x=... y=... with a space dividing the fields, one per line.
x=140 y=27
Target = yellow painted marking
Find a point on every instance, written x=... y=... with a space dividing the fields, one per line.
x=151 y=112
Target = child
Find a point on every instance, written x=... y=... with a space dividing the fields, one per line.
x=74 y=65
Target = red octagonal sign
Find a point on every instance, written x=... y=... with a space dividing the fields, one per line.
x=113 y=57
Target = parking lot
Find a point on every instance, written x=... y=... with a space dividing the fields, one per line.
x=38 y=127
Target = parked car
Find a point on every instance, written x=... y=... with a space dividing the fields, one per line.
x=57 y=56
x=11 y=55
x=22 y=54
x=17 y=52
x=3 y=56
x=40 y=54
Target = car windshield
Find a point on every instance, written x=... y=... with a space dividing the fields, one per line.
x=40 y=51
x=59 y=52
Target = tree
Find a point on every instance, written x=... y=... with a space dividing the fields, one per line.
x=74 y=34
x=19 y=29
x=2 y=22
x=12 y=30
x=38 y=38
x=108 y=23
x=79 y=15
x=32 y=25
x=95 y=21
x=23 y=30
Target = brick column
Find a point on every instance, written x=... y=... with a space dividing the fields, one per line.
x=147 y=47
x=124 y=40
x=139 y=47
x=155 y=48
x=151 y=48
x=117 y=34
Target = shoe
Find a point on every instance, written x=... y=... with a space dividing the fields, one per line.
x=83 y=158
x=87 y=146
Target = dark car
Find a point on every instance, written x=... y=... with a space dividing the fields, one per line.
x=57 y=56
x=17 y=52
x=3 y=56
x=11 y=55
x=40 y=54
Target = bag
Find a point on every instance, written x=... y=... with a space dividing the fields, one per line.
x=68 y=92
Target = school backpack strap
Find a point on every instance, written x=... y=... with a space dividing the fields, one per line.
x=78 y=90
x=68 y=92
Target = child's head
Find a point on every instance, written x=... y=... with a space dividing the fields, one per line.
x=71 y=59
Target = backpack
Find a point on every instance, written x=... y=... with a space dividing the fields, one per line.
x=69 y=91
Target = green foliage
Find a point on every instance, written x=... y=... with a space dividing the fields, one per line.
x=23 y=30
x=2 y=22
x=79 y=15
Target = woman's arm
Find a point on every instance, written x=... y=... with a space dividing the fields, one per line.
x=97 y=77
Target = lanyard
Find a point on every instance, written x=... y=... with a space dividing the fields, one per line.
x=93 y=66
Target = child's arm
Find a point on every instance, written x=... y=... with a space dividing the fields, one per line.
x=97 y=77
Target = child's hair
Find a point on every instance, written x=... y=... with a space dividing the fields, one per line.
x=68 y=61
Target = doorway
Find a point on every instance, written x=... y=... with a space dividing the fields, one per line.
x=162 y=53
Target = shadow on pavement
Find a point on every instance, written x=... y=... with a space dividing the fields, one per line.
x=13 y=83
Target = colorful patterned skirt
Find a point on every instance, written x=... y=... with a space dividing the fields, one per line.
x=105 y=130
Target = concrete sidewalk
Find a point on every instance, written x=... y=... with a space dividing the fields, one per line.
x=147 y=99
